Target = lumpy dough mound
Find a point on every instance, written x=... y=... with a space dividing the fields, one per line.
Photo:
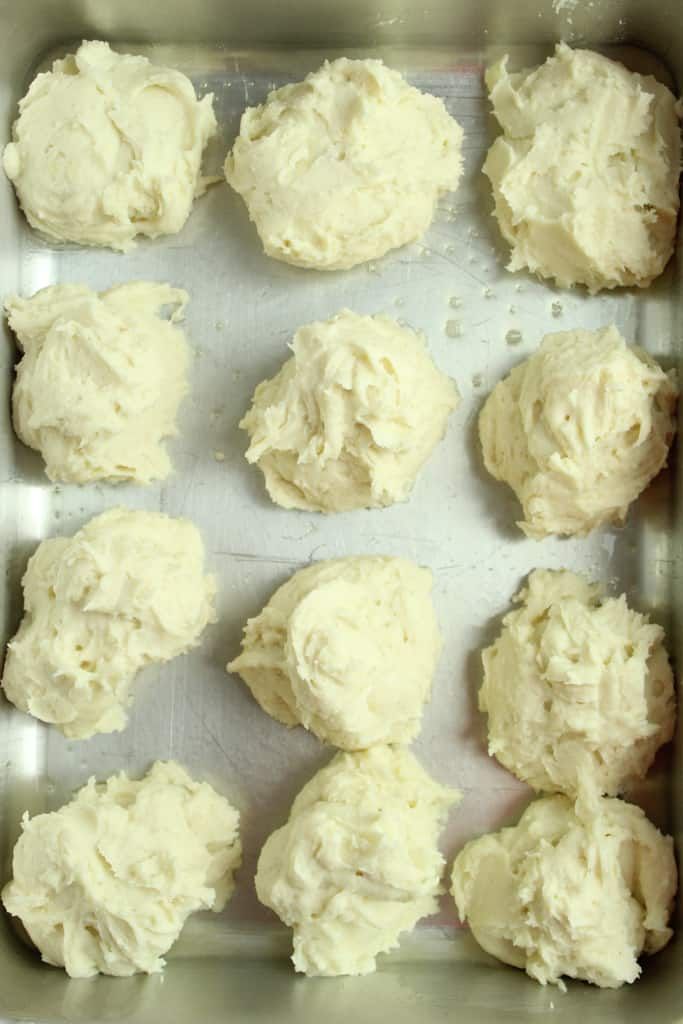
x=576 y=891
x=578 y=430
x=585 y=174
x=351 y=417
x=105 y=884
x=342 y=167
x=578 y=688
x=108 y=146
x=346 y=648
x=126 y=591
x=100 y=380
x=358 y=861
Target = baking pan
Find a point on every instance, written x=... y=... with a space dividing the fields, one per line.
x=244 y=308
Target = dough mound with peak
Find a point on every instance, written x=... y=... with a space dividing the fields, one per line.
x=351 y=417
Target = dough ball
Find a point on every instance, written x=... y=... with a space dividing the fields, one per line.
x=344 y=166
x=126 y=591
x=351 y=417
x=579 y=891
x=346 y=648
x=108 y=146
x=578 y=430
x=578 y=689
x=105 y=884
x=358 y=861
x=585 y=174
x=100 y=380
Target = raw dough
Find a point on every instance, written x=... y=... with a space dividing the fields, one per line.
x=344 y=166
x=346 y=648
x=351 y=417
x=577 y=891
x=107 y=147
x=101 y=379
x=125 y=591
x=585 y=176
x=578 y=430
x=578 y=690
x=106 y=883
x=358 y=861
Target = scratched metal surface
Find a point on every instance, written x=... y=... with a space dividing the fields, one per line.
x=244 y=308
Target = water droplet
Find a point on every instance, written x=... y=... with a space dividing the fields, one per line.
x=219 y=325
x=518 y=288
x=454 y=302
x=556 y=309
x=513 y=337
x=488 y=293
x=400 y=302
x=477 y=380
x=372 y=268
x=453 y=328
x=450 y=250
x=219 y=456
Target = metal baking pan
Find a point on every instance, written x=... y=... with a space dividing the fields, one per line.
x=244 y=308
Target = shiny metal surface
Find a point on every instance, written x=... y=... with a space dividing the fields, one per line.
x=244 y=309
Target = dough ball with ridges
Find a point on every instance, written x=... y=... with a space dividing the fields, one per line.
x=577 y=891
x=100 y=380
x=108 y=146
x=351 y=417
x=358 y=861
x=105 y=884
x=578 y=688
x=126 y=591
x=346 y=648
x=585 y=174
x=578 y=430
x=344 y=166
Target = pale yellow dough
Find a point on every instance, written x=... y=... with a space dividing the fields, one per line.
x=585 y=175
x=358 y=861
x=578 y=689
x=579 y=429
x=577 y=891
x=342 y=167
x=346 y=648
x=100 y=380
x=105 y=884
x=108 y=146
x=351 y=417
x=126 y=591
